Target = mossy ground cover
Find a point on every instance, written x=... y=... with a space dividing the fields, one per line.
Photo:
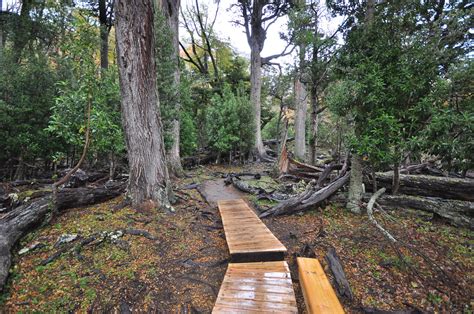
x=183 y=266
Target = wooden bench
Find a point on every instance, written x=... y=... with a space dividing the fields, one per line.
x=318 y=293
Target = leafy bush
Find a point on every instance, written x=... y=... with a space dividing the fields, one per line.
x=229 y=121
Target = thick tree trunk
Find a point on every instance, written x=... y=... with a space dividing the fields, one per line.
x=170 y=9
x=355 y=185
x=423 y=185
x=23 y=219
x=255 y=98
x=300 y=119
x=149 y=178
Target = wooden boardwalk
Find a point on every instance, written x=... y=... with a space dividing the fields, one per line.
x=262 y=287
x=248 y=238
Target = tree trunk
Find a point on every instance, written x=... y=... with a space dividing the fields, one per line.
x=149 y=178
x=314 y=124
x=19 y=169
x=111 y=166
x=255 y=97
x=23 y=219
x=355 y=185
x=170 y=10
x=396 y=179
x=104 y=35
x=300 y=119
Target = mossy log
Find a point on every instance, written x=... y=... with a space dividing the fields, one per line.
x=23 y=219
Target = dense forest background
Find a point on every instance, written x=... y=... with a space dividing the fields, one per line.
x=396 y=90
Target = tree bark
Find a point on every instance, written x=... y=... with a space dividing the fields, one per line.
x=255 y=97
x=23 y=219
x=149 y=179
x=423 y=185
x=170 y=9
x=355 y=185
x=396 y=179
x=300 y=119
x=314 y=125
x=104 y=35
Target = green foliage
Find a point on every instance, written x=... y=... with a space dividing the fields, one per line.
x=450 y=131
x=168 y=89
x=188 y=131
x=390 y=73
x=24 y=107
x=229 y=121
x=86 y=83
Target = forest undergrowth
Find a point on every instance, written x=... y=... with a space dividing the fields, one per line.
x=141 y=259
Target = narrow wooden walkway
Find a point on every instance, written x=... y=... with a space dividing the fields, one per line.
x=248 y=238
x=263 y=287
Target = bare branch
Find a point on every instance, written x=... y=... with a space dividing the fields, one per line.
x=266 y=60
x=190 y=59
x=371 y=216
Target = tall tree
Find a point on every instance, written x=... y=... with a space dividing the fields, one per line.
x=300 y=96
x=315 y=54
x=256 y=17
x=106 y=12
x=170 y=10
x=149 y=178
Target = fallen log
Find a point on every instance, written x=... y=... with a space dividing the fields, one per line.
x=308 y=199
x=23 y=219
x=458 y=213
x=423 y=185
x=342 y=284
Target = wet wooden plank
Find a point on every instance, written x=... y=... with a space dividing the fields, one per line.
x=318 y=293
x=259 y=287
x=247 y=236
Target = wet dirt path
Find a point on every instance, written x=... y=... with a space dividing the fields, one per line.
x=215 y=190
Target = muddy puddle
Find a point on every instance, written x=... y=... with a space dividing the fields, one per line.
x=215 y=190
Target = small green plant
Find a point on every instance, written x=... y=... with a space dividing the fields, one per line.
x=434 y=298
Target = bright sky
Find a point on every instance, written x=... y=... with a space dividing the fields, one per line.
x=235 y=34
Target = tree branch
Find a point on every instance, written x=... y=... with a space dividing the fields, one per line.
x=266 y=60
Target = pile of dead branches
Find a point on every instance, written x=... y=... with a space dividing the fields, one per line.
x=420 y=187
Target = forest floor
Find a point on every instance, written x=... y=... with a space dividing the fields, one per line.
x=180 y=267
